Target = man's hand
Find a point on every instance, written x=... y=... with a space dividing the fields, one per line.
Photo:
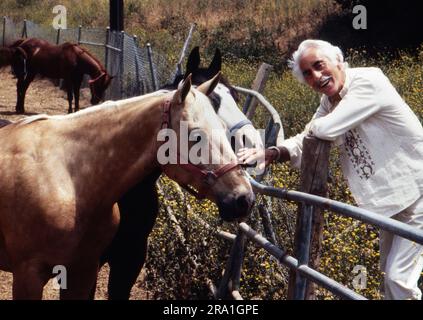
x=262 y=156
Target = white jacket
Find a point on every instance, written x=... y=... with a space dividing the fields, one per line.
x=380 y=141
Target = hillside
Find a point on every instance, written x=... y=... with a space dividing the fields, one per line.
x=266 y=30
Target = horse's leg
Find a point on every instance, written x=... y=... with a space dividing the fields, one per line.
x=77 y=80
x=126 y=255
x=28 y=282
x=22 y=85
x=81 y=279
x=69 y=91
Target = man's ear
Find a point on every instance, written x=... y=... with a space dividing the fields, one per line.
x=182 y=91
x=208 y=86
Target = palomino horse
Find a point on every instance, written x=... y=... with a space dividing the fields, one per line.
x=62 y=175
x=139 y=207
x=67 y=61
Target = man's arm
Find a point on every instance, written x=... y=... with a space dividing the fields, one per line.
x=362 y=101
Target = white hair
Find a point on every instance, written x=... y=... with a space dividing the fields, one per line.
x=333 y=53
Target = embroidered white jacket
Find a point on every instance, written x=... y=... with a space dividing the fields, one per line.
x=380 y=141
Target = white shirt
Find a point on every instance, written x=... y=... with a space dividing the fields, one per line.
x=380 y=141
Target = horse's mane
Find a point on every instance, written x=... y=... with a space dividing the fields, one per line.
x=108 y=105
x=17 y=43
x=102 y=68
x=31 y=119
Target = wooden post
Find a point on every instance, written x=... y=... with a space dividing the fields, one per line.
x=150 y=62
x=258 y=85
x=314 y=176
x=232 y=274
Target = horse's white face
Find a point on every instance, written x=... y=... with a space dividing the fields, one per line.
x=208 y=149
x=232 y=116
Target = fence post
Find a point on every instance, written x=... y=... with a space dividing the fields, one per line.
x=309 y=226
x=150 y=62
x=232 y=273
x=58 y=36
x=4 y=31
x=183 y=51
x=259 y=83
x=121 y=62
x=79 y=34
x=24 y=30
x=137 y=65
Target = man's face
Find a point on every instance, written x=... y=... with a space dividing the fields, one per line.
x=321 y=74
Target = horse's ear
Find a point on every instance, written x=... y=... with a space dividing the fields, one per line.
x=208 y=86
x=216 y=64
x=193 y=61
x=183 y=90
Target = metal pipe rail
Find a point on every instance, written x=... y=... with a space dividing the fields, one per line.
x=273 y=113
x=388 y=224
x=304 y=270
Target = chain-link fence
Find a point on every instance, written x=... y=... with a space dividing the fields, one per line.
x=137 y=70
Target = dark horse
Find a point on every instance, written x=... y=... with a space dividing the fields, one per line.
x=31 y=57
x=139 y=207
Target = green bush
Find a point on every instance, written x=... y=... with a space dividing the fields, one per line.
x=346 y=242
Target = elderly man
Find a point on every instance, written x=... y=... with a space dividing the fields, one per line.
x=381 y=145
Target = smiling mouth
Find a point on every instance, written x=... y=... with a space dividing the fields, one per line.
x=324 y=81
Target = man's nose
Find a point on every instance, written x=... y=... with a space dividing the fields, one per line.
x=316 y=75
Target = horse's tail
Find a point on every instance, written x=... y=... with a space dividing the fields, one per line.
x=5 y=57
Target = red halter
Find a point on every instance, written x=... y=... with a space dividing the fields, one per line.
x=209 y=177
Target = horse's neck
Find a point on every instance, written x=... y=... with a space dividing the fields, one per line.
x=92 y=66
x=115 y=145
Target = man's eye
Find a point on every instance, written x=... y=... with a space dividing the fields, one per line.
x=306 y=73
x=320 y=65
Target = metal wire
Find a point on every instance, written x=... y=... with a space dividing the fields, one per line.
x=134 y=73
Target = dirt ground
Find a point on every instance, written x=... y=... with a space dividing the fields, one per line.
x=44 y=97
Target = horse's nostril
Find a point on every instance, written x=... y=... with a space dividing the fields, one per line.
x=243 y=203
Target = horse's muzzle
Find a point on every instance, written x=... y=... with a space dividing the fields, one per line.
x=235 y=207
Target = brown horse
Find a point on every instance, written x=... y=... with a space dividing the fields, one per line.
x=62 y=175
x=31 y=57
